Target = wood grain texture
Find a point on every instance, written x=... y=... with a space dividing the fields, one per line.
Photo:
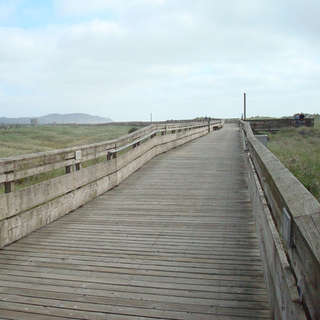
x=29 y=209
x=175 y=240
x=283 y=191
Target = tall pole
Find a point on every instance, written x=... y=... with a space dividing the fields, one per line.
x=244 y=106
x=150 y=117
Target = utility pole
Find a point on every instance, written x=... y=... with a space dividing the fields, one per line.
x=150 y=117
x=244 y=106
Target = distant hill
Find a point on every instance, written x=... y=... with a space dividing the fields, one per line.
x=79 y=118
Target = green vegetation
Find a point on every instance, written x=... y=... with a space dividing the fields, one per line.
x=16 y=140
x=133 y=129
x=299 y=150
x=29 y=139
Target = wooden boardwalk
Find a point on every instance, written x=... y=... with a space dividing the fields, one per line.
x=176 y=240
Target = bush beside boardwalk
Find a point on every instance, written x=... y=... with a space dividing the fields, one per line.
x=299 y=150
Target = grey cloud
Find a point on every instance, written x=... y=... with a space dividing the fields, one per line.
x=173 y=58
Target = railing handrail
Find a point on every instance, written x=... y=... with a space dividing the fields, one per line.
x=156 y=132
x=35 y=155
x=286 y=195
x=61 y=183
x=297 y=184
x=22 y=166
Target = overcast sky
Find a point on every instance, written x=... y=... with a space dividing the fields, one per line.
x=176 y=59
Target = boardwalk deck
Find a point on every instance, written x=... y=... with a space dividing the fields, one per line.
x=176 y=240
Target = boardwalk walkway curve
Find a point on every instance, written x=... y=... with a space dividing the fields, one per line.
x=176 y=240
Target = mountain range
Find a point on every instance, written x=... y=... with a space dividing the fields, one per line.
x=79 y=118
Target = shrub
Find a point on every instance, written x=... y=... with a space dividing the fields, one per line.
x=133 y=129
x=299 y=150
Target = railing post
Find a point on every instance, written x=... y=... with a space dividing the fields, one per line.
x=9 y=183
x=77 y=156
x=9 y=186
x=77 y=166
x=69 y=169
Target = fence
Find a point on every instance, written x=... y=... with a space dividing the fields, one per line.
x=288 y=221
x=41 y=187
x=277 y=124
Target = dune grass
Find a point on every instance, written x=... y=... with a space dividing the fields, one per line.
x=28 y=139
x=299 y=150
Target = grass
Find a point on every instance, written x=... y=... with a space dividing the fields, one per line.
x=27 y=139
x=299 y=150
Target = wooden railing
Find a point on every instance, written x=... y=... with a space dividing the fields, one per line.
x=258 y=125
x=41 y=187
x=288 y=222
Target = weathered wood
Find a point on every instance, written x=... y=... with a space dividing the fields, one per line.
x=15 y=202
x=276 y=124
x=20 y=167
x=26 y=210
x=284 y=191
x=282 y=284
x=176 y=240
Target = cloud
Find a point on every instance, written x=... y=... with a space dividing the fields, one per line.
x=84 y=7
x=125 y=59
x=8 y=9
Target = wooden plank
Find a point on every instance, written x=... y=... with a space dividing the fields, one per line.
x=29 y=197
x=12 y=315
x=147 y=259
x=176 y=240
x=120 y=263
x=202 y=297
x=284 y=192
x=96 y=276
x=281 y=281
x=155 y=302
x=27 y=210
x=114 y=284
x=178 y=256
x=98 y=311
x=25 y=165
x=170 y=272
